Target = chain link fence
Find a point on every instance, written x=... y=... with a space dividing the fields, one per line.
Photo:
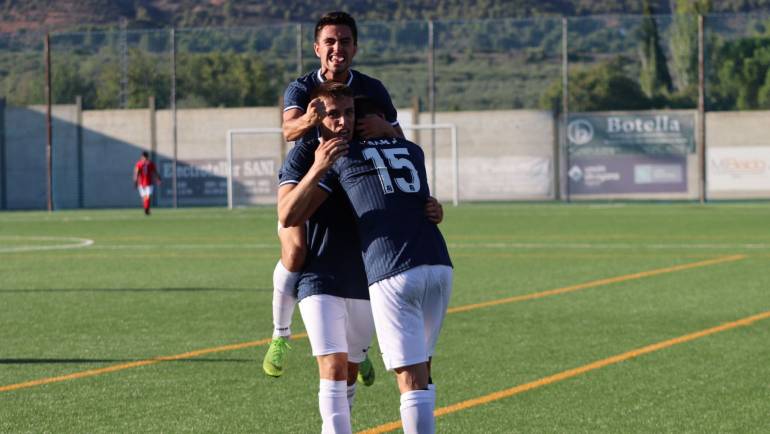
x=501 y=82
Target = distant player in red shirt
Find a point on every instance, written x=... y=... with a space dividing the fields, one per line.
x=145 y=174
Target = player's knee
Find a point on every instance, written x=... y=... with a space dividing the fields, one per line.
x=333 y=366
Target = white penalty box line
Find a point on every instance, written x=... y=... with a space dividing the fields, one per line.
x=231 y=133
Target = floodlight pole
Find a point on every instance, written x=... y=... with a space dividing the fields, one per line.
x=48 y=123
x=432 y=100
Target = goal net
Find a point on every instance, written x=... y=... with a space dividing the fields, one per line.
x=254 y=156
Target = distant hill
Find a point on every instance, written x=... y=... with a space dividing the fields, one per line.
x=62 y=15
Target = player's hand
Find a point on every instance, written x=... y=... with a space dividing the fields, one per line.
x=316 y=111
x=329 y=151
x=433 y=210
x=371 y=127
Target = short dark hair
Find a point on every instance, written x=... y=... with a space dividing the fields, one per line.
x=366 y=106
x=146 y=154
x=332 y=89
x=337 y=18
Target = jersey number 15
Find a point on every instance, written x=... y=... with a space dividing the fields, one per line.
x=395 y=162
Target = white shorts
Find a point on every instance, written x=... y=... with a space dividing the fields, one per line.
x=338 y=325
x=145 y=191
x=409 y=309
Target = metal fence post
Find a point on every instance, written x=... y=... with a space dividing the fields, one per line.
x=79 y=134
x=432 y=100
x=701 y=109
x=48 y=121
x=300 y=69
x=175 y=202
x=3 y=156
x=563 y=168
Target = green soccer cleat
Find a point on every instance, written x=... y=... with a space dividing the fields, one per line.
x=366 y=372
x=275 y=359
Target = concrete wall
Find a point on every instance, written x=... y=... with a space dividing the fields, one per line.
x=738 y=155
x=504 y=155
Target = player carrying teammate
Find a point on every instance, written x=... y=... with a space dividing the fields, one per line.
x=407 y=263
x=145 y=175
x=336 y=41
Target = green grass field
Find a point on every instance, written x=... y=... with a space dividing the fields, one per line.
x=564 y=318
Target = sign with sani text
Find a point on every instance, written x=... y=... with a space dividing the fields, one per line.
x=204 y=181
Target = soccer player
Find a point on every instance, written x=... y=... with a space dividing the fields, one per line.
x=406 y=259
x=333 y=293
x=145 y=175
x=336 y=41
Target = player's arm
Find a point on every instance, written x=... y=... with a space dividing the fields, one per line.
x=136 y=175
x=433 y=210
x=297 y=202
x=297 y=123
x=376 y=126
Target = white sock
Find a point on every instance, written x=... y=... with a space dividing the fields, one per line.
x=284 y=282
x=417 y=411
x=333 y=405
x=351 y=396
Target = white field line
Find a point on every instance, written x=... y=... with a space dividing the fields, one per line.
x=609 y=246
x=524 y=246
x=72 y=243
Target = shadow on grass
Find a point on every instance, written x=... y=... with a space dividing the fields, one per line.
x=191 y=289
x=53 y=361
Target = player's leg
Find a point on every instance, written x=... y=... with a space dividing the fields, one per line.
x=359 y=331
x=398 y=319
x=325 y=318
x=285 y=275
x=147 y=199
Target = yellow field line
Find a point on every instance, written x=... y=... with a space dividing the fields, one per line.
x=595 y=283
x=138 y=363
x=578 y=371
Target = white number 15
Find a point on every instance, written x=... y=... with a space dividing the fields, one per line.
x=395 y=162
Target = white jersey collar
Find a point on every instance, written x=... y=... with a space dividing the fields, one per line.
x=321 y=78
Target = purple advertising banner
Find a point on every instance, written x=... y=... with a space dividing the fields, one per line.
x=627 y=173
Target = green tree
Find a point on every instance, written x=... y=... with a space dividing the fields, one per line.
x=603 y=87
x=654 y=76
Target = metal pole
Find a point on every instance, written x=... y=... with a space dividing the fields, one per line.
x=701 y=109
x=175 y=202
x=456 y=174
x=229 y=142
x=432 y=102
x=81 y=192
x=48 y=122
x=563 y=148
x=299 y=50
x=3 y=176
x=153 y=135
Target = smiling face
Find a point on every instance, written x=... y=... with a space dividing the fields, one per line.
x=336 y=49
x=340 y=118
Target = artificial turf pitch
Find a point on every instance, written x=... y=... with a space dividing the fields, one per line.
x=564 y=318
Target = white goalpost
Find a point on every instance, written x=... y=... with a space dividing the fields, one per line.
x=231 y=133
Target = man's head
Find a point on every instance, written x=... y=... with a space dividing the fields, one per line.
x=336 y=42
x=145 y=155
x=339 y=107
x=366 y=107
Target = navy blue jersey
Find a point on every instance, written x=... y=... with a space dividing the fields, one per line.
x=386 y=184
x=297 y=95
x=333 y=264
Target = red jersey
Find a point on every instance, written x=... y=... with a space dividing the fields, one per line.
x=145 y=170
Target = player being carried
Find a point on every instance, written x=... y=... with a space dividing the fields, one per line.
x=145 y=175
x=336 y=41
x=406 y=259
